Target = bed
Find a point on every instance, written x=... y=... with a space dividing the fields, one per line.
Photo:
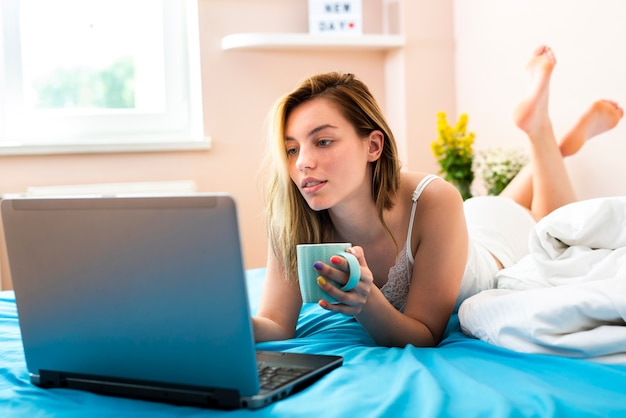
x=463 y=376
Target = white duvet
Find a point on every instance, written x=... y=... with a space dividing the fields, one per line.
x=568 y=296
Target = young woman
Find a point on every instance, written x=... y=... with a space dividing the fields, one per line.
x=335 y=177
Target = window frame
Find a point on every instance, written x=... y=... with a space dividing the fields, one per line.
x=179 y=128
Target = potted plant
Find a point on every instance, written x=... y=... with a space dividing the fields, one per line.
x=496 y=167
x=454 y=150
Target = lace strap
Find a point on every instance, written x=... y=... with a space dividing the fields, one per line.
x=421 y=186
x=416 y=195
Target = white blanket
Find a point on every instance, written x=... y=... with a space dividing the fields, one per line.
x=568 y=296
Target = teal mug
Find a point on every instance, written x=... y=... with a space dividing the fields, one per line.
x=309 y=254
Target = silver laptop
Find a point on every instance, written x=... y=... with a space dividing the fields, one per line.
x=142 y=296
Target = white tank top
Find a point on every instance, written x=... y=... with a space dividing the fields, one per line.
x=479 y=272
x=396 y=289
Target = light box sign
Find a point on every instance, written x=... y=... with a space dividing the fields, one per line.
x=335 y=17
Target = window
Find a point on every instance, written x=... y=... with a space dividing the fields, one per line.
x=99 y=75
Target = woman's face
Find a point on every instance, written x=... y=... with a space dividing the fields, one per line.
x=328 y=161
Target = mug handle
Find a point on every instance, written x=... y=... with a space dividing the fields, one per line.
x=355 y=271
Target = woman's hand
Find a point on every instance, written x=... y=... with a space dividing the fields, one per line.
x=352 y=301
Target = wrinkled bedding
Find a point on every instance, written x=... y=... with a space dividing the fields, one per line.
x=463 y=377
x=567 y=297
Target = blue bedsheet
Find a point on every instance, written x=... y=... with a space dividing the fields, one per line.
x=462 y=377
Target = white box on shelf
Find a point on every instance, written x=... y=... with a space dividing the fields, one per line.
x=335 y=17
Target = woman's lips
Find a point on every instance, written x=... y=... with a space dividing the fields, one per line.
x=312 y=185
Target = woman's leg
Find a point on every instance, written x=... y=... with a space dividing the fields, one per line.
x=545 y=184
x=602 y=116
x=550 y=183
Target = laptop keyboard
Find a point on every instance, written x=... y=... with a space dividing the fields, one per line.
x=273 y=377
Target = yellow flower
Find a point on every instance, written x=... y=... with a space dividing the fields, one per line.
x=454 y=150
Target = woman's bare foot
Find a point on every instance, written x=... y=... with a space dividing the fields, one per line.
x=602 y=116
x=531 y=115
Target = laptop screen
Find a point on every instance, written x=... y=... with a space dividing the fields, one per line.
x=148 y=288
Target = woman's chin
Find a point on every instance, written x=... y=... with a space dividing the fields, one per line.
x=317 y=206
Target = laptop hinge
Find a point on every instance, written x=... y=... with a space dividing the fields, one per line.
x=174 y=393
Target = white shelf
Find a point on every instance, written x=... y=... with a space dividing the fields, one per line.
x=282 y=41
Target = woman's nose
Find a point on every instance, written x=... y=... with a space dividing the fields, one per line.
x=305 y=159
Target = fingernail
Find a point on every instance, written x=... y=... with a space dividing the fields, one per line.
x=335 y=259
x=318 y=265
x=321 y=281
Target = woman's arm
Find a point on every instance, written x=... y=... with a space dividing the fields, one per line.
x=280 y=305
x=383 y=322
x=441 y=240
x=441 y=244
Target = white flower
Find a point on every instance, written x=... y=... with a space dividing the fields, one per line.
x=497 y=167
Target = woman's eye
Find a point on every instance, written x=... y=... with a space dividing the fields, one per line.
x=324 y=142
x=292 y=151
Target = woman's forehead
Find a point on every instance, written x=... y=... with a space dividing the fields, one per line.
x=310 y=115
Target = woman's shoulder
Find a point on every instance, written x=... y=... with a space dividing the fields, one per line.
x=438 y=202
x=426 y=184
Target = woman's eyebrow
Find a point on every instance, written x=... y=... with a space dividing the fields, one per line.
x=320 y=128
x=313 y=131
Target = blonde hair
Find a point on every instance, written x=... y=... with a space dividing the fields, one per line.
x=289 y=219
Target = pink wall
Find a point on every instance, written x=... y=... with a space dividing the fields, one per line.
x=239 y=87
x=494 y=40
